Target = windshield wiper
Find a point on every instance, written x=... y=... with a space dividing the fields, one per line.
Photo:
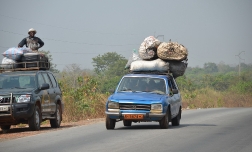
x=17 y=88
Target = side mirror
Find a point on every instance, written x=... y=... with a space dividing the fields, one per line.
x=175 y=91
x=44 y=86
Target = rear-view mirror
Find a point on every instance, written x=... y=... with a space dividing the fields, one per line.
x=44 y=86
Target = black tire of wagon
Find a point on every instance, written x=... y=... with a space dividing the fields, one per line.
x=176 y=120
x=110 y=123
x=5 y=128
x=164 y=122
x=55 y=123
x=35 y=120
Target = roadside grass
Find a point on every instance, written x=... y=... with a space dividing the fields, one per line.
x=209 y=98
x=88 y=108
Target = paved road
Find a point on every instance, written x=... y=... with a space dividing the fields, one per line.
x=202 y=130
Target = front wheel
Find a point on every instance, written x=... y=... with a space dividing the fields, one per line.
x=35 y=119
x=55 y=123
x=164 y=122
x=110 y=123
x=5 y=128
x=176 y=120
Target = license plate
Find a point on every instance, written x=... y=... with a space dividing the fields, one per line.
x=4 y=108
x=133 y=116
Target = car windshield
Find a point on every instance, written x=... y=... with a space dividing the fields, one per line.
x=142 y=84
x=17 y=81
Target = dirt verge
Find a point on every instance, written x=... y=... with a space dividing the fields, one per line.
x=20 y=131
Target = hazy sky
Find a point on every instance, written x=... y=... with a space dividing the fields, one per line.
x=75 y=31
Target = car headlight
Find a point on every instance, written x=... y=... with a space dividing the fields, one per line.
x=157 y=108
x=24 y=99
x=113 y=105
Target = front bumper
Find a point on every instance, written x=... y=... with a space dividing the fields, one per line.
x=16 y=112
x=147 y=116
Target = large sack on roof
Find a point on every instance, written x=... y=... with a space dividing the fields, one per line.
x=148 y=48
x=177 y=68
x=8 y=63
x=15 y=53
x=172 y=51
x=154 y=65
x=134 y=56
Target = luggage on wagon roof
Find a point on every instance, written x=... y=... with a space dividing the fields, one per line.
x=172 y=51
x=35 y=60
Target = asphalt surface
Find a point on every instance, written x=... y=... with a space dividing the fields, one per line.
x=202 y=130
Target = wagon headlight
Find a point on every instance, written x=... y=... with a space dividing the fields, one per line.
x=24 y=99
x=113 y=105
x=156 y=108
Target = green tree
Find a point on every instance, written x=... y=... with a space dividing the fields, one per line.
x=109 y=69
x=210 y=67
x=224 y=68
x=117 y=69
x=102 y=62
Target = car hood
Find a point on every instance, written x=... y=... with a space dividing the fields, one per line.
x=135 y=96
x=16 y=91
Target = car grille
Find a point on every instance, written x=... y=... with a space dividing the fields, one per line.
x=126 y=106
x=6 y=99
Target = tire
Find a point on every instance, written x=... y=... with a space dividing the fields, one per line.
x=5 y=128
x=127 y=123
x=35 y=120
x=176 y=120
x=164 y=122
x=110 y=123
x=55 y=123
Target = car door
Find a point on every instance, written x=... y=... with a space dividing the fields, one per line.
x=43 y=94
x=51 y=93
x=177 y=97
x=57 y=91
x=171 y=98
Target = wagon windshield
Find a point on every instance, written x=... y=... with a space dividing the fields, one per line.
x=17 y=81
x=142 y=84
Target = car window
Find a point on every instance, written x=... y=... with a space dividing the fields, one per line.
x=40 y=79
x=142 y=84
x=27 y=81
x=174 y=86
x=17 y=81
x=47 y=80
x=54 y=83
x=10 y=82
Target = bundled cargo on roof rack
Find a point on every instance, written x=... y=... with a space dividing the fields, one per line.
x=148 y=48
x=9 y=63
x=15 y=53
x=154 y=65
x=177 y=68
x=132 y=58
x=24 y=59
x=156 y=56
x=172 y=51
x=35 y=60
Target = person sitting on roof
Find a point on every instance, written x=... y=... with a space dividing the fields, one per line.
x=32 y=42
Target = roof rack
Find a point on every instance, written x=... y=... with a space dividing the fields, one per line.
x=151 y=72
x=25 y=66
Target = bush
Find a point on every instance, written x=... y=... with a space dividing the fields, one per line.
x=84 y=101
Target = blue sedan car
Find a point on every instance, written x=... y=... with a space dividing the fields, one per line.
x=144 y=97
